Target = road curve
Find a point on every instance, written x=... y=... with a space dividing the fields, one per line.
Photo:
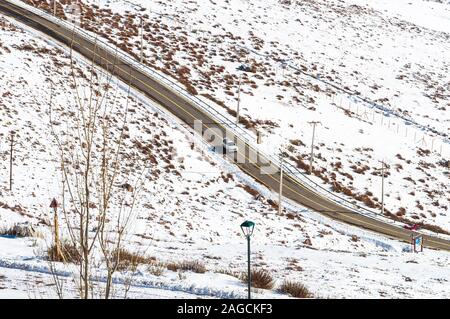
x=188 y=112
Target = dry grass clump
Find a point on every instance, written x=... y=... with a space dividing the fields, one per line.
x=188 y=265
x=250 y=190
x=19 y=231
x=297 y=142
x=295 y=289
x=69 y=253
x=260 y=279
x=131 y=260
x=156 y=269
x=433 y=228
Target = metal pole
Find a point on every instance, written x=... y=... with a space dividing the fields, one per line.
x=239 y=99
x=142 y=41
x=382 y=188
x=54 y=8
x=280 y=193
x=249 y=272
x=311 y=159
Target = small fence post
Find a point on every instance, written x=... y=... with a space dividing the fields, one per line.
x=57 y=244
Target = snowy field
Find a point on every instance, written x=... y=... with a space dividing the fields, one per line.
x=374 y=73
x=191 y=206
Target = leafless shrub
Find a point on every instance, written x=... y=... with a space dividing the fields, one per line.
x=173 y=266
x=295 y=289
x=19 y=231
x=297 y=142
x=69 y=253
x=130 y=260
x=250 y=190
x=260 y=278
x=187 y=265
x=401 y=212
x=156 y=269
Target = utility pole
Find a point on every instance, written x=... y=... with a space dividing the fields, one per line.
x=280 y=193
x=382 y=188
x=54 y=8
x=239 y=99
x=311 y=158
x=11 y=158
x=382 y=169
x=142 y=41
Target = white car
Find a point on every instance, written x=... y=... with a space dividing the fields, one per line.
x=228 y=146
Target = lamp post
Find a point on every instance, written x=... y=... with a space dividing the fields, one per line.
x=247 y=228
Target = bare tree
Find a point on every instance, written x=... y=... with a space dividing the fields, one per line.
x=98 y=192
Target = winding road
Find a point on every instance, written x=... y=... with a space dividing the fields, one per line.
x=188 y=112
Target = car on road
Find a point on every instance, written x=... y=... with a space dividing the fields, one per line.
x=228 y=147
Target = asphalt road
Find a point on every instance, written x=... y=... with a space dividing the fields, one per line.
x=188 y=112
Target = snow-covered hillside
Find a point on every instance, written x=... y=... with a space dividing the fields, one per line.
x=192 y=203
x=375 y=74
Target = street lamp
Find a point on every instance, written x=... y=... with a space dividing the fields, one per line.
x=247 y=228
